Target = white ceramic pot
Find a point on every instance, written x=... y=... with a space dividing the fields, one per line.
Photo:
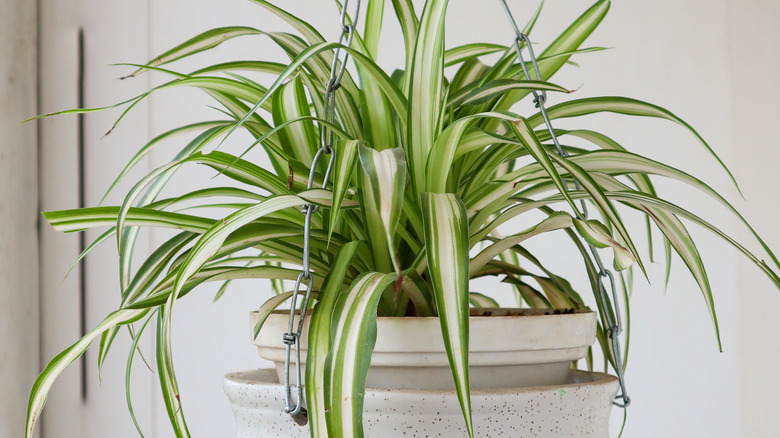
x=579 y=408
x=511 y=348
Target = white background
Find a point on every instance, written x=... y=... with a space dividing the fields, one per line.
x=714 y=63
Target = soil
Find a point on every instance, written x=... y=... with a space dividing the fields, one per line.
x=522 y=312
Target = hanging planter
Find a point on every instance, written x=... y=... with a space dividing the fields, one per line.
x=509 y=348
x=580 y=407
x=386 y=194
x=518 y=383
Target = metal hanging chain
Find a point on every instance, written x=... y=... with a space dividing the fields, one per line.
x=292 y=338
x=614 y=320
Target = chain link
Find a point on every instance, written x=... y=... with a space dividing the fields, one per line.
x=615 y=325
x=292 y=338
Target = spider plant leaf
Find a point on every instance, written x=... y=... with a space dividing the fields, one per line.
x=273 y=68
x=308 y=31
x=169 y=386
x=373 y=26
x=383 y=180
x=620 y=162
x=447 y=248
x=555 y=221
x=320 y=339
x=469 y=76
x=425 y=91
x=466 y=52
x=143 y=280
x=574 y=35
x=128 y=373
x=528 y=139
x=242 y=171
x=299 y=141
x=534 y=18
x=534 y=298
x=353 y=338
x=498 y=87
x=210 y=242
x=642 y=181
x=419 y=292
x=443 y=152
x=231 y=87
x=680 y=239
x=407 y=18
x=557 y=298
x=568 y=41
x=204 y=41
x=91 y=217
x=153 y=184
x=160 y=295
x=525 y=135
x=317 y=65
x=605 y=206
x=271 y=304
x=598 y=235
x=623 y=105
x=396 y=99
x=267 y=134
x=343 y=169
x=324 y=198
x=57 y=365
x=379 y=127
x=477 y=299
x=154 y=142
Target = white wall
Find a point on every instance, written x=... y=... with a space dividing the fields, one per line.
x=755 y=66
x=711 y=62
x=18 y=214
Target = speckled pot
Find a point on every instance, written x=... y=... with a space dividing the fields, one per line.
x=579 y=408
x=510 y=348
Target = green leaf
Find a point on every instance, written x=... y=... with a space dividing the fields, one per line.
x=320 y=340
x=305 y=29
x=470 y=51
x=299 y=141
x=392 y=93
x=567 y=42
x=128 y=373
x=622 y=105
x=425 y=91
x=447 y=248
x=57 y=365
x=419 y=293
x=383 y=181
x=556 y=221
x=598 y=235
x=498 y=87
x=343 y=169
x=608 y=210
x=211 y=241
x=373 y=26
x=271 y=304
x=83 y=218
x=407 y=18
x=379 y=126
x=148 y=147
x=169 y=387
x=204 y=41
x=353 y=338
x=477 y=299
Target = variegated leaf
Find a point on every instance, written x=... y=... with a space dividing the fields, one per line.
x=447 y=248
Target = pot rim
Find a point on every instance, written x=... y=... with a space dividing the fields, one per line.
x=503 y=313
x=589 y=379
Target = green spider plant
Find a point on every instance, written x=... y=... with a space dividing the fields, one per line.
x=427 y=168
